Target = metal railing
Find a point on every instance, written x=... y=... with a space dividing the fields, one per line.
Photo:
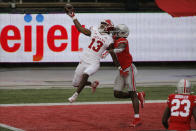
x=57 y=6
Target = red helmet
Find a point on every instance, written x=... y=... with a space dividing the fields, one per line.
x=106 y=26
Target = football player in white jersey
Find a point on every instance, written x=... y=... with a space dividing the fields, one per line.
x=90 y=59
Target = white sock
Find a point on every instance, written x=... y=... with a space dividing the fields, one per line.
x=136 y=116
x=75 y=94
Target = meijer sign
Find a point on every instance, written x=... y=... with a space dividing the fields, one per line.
x=54 y=38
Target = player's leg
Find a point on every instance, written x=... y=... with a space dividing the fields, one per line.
x=78 y=80
x=118 y=87
x=141 y=95
x=90 y=70
x=78 y=74
x=131 y=83
x=83 y=71
x=121 y=94
x=135 y=101
x=137 y=120
x=83 y=83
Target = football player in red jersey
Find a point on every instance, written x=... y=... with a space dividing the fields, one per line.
x=126 y=77
x=180 y=108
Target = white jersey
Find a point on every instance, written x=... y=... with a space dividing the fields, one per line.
x=99 y=43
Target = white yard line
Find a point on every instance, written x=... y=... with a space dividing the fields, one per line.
x=81 y=103
x=10 y=127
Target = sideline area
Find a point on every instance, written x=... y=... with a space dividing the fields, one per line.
x=61 y=77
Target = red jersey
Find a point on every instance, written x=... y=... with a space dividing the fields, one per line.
x=180 y=106
x=124 y=57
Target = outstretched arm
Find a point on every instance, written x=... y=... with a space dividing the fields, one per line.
x=113 y=55
x=114 y=58
x=80 y=28
x=70 y=12
x=113 y=52
x=120 y=48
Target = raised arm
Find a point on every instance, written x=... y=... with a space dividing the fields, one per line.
x=80 y=28
x=70 y=12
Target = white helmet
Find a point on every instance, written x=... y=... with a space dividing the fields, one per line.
x=184 y=87
x=121 y=30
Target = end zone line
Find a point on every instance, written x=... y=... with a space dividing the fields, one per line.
x=81 y=103
x=10 y=127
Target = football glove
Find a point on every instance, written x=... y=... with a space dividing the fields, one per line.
x=69 y=10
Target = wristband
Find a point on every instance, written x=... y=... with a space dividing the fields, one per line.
x=74 y=18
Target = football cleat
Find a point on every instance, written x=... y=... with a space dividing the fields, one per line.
x=73 y=98
x=94 y=86
x=136 y=122
x=141 y=97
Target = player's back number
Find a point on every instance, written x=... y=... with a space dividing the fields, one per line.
x=177 y=105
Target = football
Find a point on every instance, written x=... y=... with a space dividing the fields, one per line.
x=68 y=7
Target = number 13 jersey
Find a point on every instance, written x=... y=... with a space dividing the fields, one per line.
x=180 y=106
x=99 y=43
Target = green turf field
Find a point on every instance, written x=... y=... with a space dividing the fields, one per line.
x=14 y=96
x=4 y=129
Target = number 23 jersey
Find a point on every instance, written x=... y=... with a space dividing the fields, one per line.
x=98 y=44
x=181 y=106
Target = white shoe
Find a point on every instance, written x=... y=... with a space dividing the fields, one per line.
x=73 y=97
